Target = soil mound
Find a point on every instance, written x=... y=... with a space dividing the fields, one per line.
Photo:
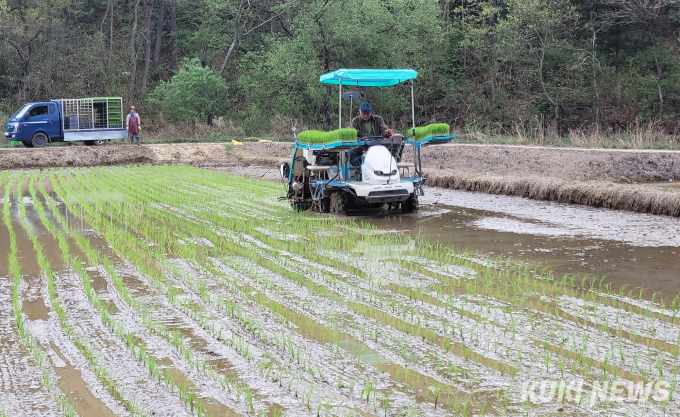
x=76 y=156
x=622 y=166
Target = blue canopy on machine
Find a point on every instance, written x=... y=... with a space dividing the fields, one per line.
x=368 y=77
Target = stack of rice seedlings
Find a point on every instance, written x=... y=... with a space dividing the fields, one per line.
x=435 y=129
x=316 y=137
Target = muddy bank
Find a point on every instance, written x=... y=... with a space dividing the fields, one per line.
x=615 y=179
x=207 y=155
x=574 y=164
x=65 y=156
x=643 y=199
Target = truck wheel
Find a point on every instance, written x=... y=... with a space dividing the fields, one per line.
x=337 y=205
x=410 y=205
x=99 y=142
x=27 y=144
x=39 y=140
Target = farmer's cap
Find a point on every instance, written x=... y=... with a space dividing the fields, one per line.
x=133 y=108
x=365 y=107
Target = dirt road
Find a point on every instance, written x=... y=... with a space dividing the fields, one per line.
x=642 y=181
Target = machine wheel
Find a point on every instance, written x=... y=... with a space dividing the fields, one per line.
x=337 y=203
x=27 y=144
x=39 y=140
x=411 y=205
x=285 y=170
x=99 y=142
x=325 y=205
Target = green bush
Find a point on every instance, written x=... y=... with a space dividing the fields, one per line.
x=436 y=129
x=316 y=137
x=195 y=93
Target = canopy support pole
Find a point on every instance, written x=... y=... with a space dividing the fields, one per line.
x=416 y=149
x=413 y=112
x=340 y=105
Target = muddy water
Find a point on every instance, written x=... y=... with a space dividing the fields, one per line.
x=71 y=382
x=627 y=248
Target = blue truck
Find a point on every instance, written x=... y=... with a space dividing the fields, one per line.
x=92 y=121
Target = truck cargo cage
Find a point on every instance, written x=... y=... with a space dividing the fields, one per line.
x=92 y=119
x=92 y=113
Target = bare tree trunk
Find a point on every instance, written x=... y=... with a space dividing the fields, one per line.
x=147 y=37
x=429 y=57
x=48 y=53
x=108 y=66
x=493 y=87
x=594 y=68
x=159 y=32
x=462 y=15
x=133 y=55
x=617 y=82
x=173 y=30
x=234 y=41
x=326 y=67
x=659 y=74
x=554 y=102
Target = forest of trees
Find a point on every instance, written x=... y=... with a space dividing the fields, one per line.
x=486 y=65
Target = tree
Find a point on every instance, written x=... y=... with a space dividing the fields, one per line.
x=656 y=19
x=542 y=33
x=195 y=93
x=240 y=33
x=327 y=35
x=159 y=32
x=133 y=55
x=147 y=43
x=173 y=31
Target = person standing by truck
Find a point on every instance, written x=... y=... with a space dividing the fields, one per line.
x=133 y=124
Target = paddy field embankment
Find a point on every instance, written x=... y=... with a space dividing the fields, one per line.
x=644 y=181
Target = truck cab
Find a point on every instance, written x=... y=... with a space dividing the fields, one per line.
x=39 y=121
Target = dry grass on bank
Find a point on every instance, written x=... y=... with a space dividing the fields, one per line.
x=594 y=194
x=649 y=135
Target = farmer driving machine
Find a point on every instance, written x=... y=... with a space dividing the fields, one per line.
x=332 y=172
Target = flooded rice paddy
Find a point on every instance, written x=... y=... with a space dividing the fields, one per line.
x=176 y=291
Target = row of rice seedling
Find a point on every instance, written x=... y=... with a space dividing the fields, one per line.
x=104 y=375
x=160 y=218
x=536 y=284
x=272 y=265
x=120 y=327
x=145 y=263
x=19 y=371
x=493 y=317
x=42 y=361
x=526 y=275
